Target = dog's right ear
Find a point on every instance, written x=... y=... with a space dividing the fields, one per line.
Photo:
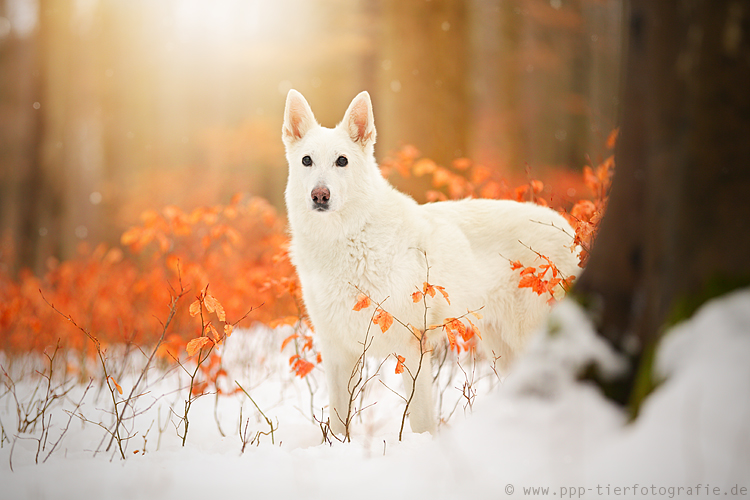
x=298 y=118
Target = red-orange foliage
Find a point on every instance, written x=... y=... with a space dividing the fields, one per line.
x=121 y=294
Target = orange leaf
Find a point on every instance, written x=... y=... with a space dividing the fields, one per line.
x=612 y=139
x=417 y=296
x=213 y=333
x=443 y=293
x=424 y=166
x=300 y=367
x=528 y=281
x=537 y=186
x=228 y=329
x=528 y=270
x=441 y=177
x=453 y=326
x=451 y=338
x=287 y=340
x=195 y=308
x=461 y=163
x=400 y=364
x=474 y=329
x=383 y=319
x=428 y=289
x=515 y=265
x=117 y=386
x=196 y=345
x=131 y=236
x=213 y=305
x=416 y=331
x=363 y=301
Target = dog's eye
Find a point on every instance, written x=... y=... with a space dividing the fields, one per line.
x=341 y=161
x=306 y=161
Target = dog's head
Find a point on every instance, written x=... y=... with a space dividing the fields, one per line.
x=328 y=167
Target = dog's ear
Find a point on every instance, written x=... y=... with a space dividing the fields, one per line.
x=298 y=118
x=359 y=121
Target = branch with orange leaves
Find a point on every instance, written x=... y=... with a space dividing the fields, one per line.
x=357 y=380
x=531 y=277
x=451 y=326
x=203 y=345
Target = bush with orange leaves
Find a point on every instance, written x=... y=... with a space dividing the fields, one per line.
x=120 y=294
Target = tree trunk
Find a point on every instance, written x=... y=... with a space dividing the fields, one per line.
x=677 y=229
x=425 y=71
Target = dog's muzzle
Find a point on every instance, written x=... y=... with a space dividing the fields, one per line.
x=320 y=198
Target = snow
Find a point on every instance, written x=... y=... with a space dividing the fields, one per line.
x=540 y=427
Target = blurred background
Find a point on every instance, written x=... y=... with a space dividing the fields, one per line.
x=112 y=107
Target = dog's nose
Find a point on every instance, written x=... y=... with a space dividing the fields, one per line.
x=320 y=196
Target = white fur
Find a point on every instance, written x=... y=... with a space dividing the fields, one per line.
x=376 y=238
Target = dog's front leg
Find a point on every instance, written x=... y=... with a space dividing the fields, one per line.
x=342 y=371
x=421 y=411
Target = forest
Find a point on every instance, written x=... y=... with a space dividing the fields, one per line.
x=149 y=310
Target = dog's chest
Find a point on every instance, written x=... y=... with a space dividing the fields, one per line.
x=366 y=259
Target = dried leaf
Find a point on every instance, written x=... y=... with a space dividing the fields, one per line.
x=363 y=301
x=416 y=332
x=214 y=305
x=300 y=367
x=117 y=386
x=417 y=296
x=195 y=308
x=131 y=236
x=443 y=293
x=287 y=340
x=400 y=364
x=196 y=345
x=383 y=319
x=213 y=333
x=474 y=330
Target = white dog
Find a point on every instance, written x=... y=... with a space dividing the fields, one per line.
x=350 y=230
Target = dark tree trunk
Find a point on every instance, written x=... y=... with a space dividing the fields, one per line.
x=21 y=170
x=677 y=229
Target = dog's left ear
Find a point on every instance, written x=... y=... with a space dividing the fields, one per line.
x=359 y=121
x=298 y=118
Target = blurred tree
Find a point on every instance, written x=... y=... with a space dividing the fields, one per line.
x=21 y=175
x=425 y=73
x=544 y=80
x=677 y=230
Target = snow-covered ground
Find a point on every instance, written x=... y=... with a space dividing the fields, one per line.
x=540 y=428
